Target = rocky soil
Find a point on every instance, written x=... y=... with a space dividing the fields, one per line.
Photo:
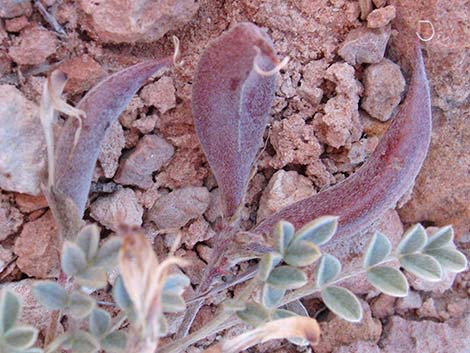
x=343 y=84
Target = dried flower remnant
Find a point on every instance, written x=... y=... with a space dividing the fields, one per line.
x=150 y=289
x=232 y=95
x=291 y=327
x=384 y=178
x=51 y=104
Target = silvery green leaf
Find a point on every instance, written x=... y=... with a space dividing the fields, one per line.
x=73 y=259
x=175 y=283
x=450 y=259
x=343 y=303
x=422 y=266
x=21 y=337
x=115 y=342
x=282 y=314
x=231 y=305
x=31 y=350
x=319 y=231
x=413 y=240
x=377 y=251
x=88 y=240
x=297 y=307
x=388 y=280
x=283 y=234
x=266 y=265
x=120 y=295
x=162 y=326
x=287 y=277
x=302 y=253
x=80 y=304
x=99 y=322
x=10 y=310
x=51 y=295
x=328 y=270
x=442 y=238
x=254 y=314
x=172 y=303
x=92 y=277
x=272 y=296
x=108 y=253
x=82 y=342
x=58 y=342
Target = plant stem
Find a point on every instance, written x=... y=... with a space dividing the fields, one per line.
x=226 y=320
x=216 y=260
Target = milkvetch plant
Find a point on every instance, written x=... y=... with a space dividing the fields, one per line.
x=233 y=90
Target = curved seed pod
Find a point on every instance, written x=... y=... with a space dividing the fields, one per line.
x=383 y=179
x=231 y=101
x=102 y=105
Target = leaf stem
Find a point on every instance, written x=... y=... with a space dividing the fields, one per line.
x=226 y=320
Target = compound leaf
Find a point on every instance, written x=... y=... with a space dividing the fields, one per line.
x=51 y=295
x=422 y=266
x=343 y=303
x=388 y=280
x=328 y=270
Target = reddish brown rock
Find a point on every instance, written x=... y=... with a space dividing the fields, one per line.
x=146 y=124
x=187 y=167
x=383 y=306
x=411 y=301
x=365 y=45
x=33 y=46
x=294 y=142
x=340 y=125
x=338 y=332
x=15 y=8
x=197 y=231
x=111 y=148
x=359 y=346
x=16 y=24
x=22 y=146
x=160 y=94
x=6 y=256
x=5 y=61
x=37 y=248
x=10 y=218
x=195 y=271
x=120 y=208
x=381 y=17
x=383 y=87
x=83 y=73
x=442 y=191
x=283 y=189
x=214 y=209
x=178 y=207
x=427 y=336
x=379 y=3
x=121 y=21
x=132 y=111
x=150 y=154
x=27 y=203
x=321 y=176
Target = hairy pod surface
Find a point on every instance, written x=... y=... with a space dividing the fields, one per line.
x=231 y=104
x=383 y=179
x=102 y=105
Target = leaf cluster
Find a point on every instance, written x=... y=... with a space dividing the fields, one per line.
x=14 y=337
